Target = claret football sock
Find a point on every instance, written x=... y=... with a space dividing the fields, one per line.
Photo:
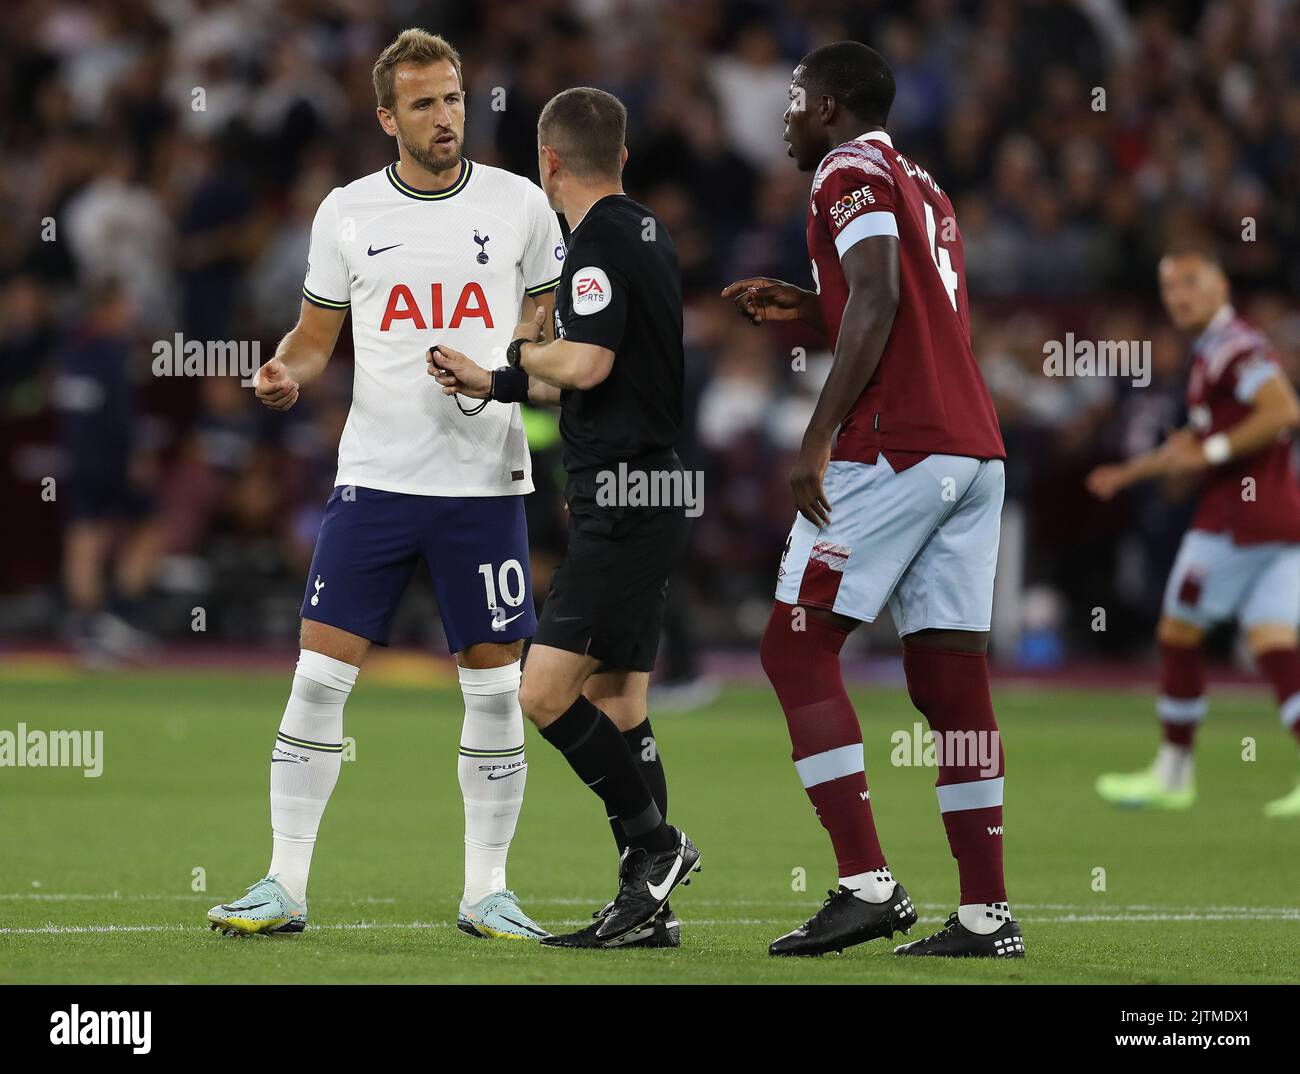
x=492 y=771
x=951 y=689
x=1282 y=668
x=305 y=764
x=599 y=754
x=801 y=656
x=1181 y=705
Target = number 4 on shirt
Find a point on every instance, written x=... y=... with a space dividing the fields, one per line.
x=942 y=261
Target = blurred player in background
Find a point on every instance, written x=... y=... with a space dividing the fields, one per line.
x=432 y=247
x=110 y=524
x=1241 y=558
x=899 y=486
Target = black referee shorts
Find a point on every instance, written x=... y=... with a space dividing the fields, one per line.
x=608 y=594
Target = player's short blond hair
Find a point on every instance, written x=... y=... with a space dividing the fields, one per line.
x=415 y=46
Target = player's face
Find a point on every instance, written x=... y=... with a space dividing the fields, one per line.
x=801 y=128
x=1192 y=290
x=429 y=114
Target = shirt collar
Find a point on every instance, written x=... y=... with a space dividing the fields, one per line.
x=603 y=197
x=875 y=136
x=1218 y=322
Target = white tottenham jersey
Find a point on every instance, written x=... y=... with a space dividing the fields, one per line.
x=419 y=268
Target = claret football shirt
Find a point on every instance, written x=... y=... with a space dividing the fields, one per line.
x=1255 y=498
x=927 y=395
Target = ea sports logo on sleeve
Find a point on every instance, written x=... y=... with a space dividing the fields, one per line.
x=590 y=291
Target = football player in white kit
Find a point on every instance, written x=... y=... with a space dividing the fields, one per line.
x=433 y=248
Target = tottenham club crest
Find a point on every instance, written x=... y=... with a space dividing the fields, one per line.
x=482 y=247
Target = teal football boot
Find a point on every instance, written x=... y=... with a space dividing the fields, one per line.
x=265 y=909
x=497 y=915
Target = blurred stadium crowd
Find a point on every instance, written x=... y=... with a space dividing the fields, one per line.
x=161 y=160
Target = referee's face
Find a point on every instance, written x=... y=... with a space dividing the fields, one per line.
x=429 y=114
x=547 y=162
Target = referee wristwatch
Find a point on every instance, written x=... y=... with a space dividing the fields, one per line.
x=514 y=352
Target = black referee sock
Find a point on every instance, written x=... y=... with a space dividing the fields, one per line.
x=600 y=755
x=645 y=750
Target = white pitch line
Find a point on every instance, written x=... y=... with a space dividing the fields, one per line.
x=1084 y=910
x=41 y=896
x=1066 y=919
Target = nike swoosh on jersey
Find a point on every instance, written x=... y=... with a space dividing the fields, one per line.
x=372 y=251
x=507 y=622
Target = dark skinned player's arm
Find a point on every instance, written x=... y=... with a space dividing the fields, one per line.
x=871 y=271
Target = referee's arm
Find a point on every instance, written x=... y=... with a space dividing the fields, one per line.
x=564 y=363
x=539 y=392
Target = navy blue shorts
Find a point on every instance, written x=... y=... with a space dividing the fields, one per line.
x=476 y=549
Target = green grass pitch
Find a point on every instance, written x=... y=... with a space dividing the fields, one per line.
x=97 y=875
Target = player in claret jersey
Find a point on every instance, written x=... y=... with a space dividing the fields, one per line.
x=899 y=488
x=1241 y=558
x=433 y=248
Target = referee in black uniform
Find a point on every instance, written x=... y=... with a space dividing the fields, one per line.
x=615 y=369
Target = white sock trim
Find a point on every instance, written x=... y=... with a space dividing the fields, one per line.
x=1182 y=709
x=983 y=918
x=326 y=670
x=1290 y=710
x=831 y=764
x=876 y=885
x=490 y=680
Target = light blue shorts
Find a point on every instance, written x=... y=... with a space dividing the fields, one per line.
x=1214 y=579
x=924 y=541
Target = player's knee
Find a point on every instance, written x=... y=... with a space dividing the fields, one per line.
x=951 y=641
x=486 y=655
x=1267 y=637
x=1171 y=631
x=922 y=692
x=539 y=703
x=332 y=642
x=798 y=643
x=939 y=680
x=781 y=641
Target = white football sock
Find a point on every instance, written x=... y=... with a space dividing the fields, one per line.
x=492 y=773
x=305 y=764
x=874 y=886
x=1174 y=766
x=983 y=917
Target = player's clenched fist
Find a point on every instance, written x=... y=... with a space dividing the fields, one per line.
x=1105 y=482
x=458 y=373
x=274 y=387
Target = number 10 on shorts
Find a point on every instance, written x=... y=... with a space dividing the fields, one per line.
x=508 y=583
